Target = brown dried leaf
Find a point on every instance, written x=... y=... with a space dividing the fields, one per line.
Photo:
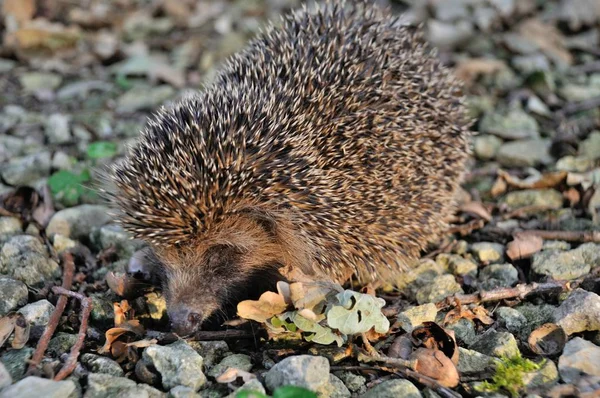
x=118 y=283
x=573 y=196
x=548 y=339
x=482 y=315
x=433 y=336
x=469 y=70
x=283 y=288
x=524 y=246
x=123 y=312
x=433 y=363
x=268 y=305
x=7 y=325
x=476 y=208
x=499 y=187
x=232 y=374
x=112 y=334
x=18 y=11
x=22 y=328
x=546 y=180
x=142 y=343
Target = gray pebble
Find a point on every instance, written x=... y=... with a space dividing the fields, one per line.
x=579 y=358
x=580 y=312
x=78 y=222
x=393 y=389
x=13 y=294
x=311 y=372
x=36 y=387
x=177 y=363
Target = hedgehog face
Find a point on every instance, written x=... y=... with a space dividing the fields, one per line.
x=203 y=290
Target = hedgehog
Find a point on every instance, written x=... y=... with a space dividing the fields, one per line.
x=331 y=147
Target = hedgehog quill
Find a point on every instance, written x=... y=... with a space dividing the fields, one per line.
x=330 y=146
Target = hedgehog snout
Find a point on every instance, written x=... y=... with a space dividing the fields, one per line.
x=185 y=321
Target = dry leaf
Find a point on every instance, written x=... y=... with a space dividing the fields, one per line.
x=268 y=305
x=232 y=374
x=117 y=282
x=7 y=325
x=22 y=328
x=482 y=315
x=524 y=246
x=548 y=38
x=283 y=288
x=573 y=196
x=546 y=180
x=142 y=343
x=123 y=312
x=309 y=314
x=476 y=208
x=548 y=339
x=433 y=336
x=112 y=334
x=313 y=295
x=17 y=11
x=499 y=187
x=433 y=363
x=469 y=70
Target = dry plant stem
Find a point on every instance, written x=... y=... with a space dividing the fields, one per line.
x=86 y=309
x=569 y=236
x=468 y=228
x=519 y=291
x=68 y=272
x=223 y=335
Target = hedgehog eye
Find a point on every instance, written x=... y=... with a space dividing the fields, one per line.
x=221 y=258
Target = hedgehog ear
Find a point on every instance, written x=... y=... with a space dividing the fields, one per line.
x=266 y=221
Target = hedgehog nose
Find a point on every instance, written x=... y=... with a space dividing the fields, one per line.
x=185 y=322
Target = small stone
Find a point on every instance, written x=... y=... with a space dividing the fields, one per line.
x=486 y=146
x=38 y=315
x=525 y=153
x=393 y=389
x=112 y=235
x=251 y=385
x=505 y=7
x=451 y=10
x=9 y=227
x=543 y=198
x=558 y=245
x=574 y=163
x=25 y=258
x=567 y=265
x=544 y=377
x=61 y=343
x=440 y=288
x=531 y=63
x=536 y=316
x=470 y=361
x=411 y=318
x=237 y=361
x=514 y=125
x=102 y=385
x=16 y=361
x=464 y=330
x=536 y=105
x=579 y=358
x=5 y=378
x=6 y=65
x=78 y=222
x=177 y=363
x=61 y=243
x=580 y=312
x=27 y=169
x=336 y=388
x=13 y=294
x=62 y=161
x=98 y=364
x=355 y=383
x=498 y=275
x=496 y=344
x=57 y=128
x=414 y=279
x=511 y=319
x=184 y=392
x=211 y=351
x=306 y=371
x=35 y=81
x=488 y=252
x=485 y=18
x=590 y=147
x=36 y=387
x=447 y=35
x=143 y=98
x=461 y=266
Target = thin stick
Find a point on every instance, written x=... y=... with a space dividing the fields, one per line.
x=569 y=236
x=222 y=335
x=68 y=272
x=86 y=310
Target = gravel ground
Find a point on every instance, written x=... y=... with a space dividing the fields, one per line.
x=78 y=81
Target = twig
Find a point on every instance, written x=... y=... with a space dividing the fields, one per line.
x=569 y=236
x=68 y=272
x=574 y=107
x=223 y=335
x=520 y=291
x=86 y=309
x=526 y=210
x=468 y=228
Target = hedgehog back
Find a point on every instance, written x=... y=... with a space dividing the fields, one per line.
x=342 y=115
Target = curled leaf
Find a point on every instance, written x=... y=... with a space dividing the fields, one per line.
x=7 y=325
x=548 y=339
x=283 y=288
x=433 y=336
x=232 y=374
x=22 y=328
x=433 y=363
x=524 y=246
x=268 y=305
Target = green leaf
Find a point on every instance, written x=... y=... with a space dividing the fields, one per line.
x=101 y=149
x=357 y=313
x=66 y=187
x=293 y=392
x=316 y=333
x=250 y=394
